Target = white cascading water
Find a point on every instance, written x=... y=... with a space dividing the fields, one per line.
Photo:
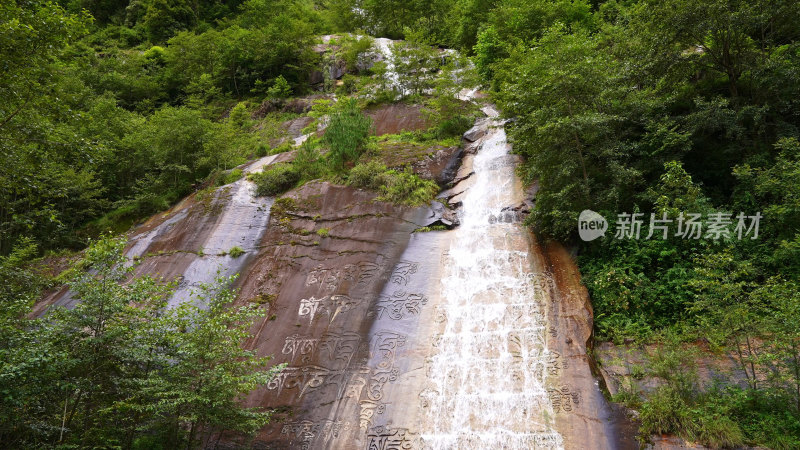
x=386 y=48
x=486 y=378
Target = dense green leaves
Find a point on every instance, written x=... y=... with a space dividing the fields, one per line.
x=118 y=368
x=347 y=133
x=110 y=124
x=276 y=179
x=570 y=125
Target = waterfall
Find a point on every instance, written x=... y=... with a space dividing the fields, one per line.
x=241 y=222
x=486 y=386
x=385 y=47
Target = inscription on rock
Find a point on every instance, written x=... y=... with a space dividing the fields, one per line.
x=361 y=276
x=555 y=363
x=403 y=271
x=307 y=431
x=399 y=306
x=564 y=399
x=383 y=438
x=303 y=379
x=341 y=363
x=338 y=349
x=331 y=306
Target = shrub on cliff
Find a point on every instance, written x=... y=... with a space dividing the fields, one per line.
x=275 y=179
x=367 y=175
x=407 y=188
x=347 y=133
x=395 y=186
x=309 y=162
x=455 y=126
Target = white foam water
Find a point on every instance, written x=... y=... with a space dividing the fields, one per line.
x=386 y=48
x=242 y=223
x=487 y=374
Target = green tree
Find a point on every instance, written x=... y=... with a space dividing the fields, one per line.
x=118 y=368
x=280 y=89
x=347 y=133
x=207 y=372
x=488 y=49
x=571 y=127
x=64 y=382
x=164 y=18
x=415 y=63
x=731 y=315
x=725 y=37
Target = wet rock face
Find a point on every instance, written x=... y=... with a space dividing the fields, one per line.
x=383 y=348
x=324 y=261
x=440 y=165
x=295 y=127
x=583 y=416
x=475 y=133
x=397 y=118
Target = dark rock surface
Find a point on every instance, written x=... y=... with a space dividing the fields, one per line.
x=398 y=117
x=584 y=417
x=320 y=290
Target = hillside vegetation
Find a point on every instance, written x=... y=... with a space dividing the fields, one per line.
x=113 y=111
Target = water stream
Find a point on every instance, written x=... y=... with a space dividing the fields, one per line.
x=386 y=48
x=487 y=376
x=241 y=223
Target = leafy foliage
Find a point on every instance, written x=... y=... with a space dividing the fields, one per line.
x=347 y=133
x=276 y=179
x=395 y=186
x=118 y=368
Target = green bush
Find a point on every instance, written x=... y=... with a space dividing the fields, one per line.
x=762 y=415
x=394 y=186
x=239 y=117
x=284 y=147
x=367 y=175
x=155 y=54
x=349 y=85
x=698 y=419
x=280 y=89
x=231 y=176
x=236 y=252
x=309 y=162
x=347 y=133
x=354 y=49
x=716 y=416
x=275 y=179
x=454 y=126
x=407 y=188
x=430 y=228
x=665 y=412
